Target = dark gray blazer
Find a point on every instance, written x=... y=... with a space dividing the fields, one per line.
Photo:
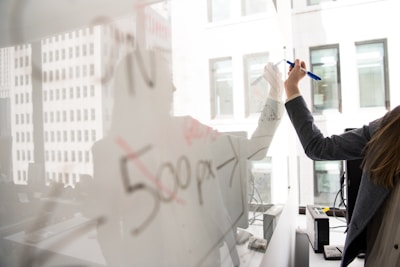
x=346 y=146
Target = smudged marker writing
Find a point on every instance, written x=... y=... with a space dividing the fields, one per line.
x=145 y=171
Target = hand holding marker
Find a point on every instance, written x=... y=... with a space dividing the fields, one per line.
x=309 y=73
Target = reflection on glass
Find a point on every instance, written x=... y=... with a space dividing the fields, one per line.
x=257 y=87
x=260 y=182
x=221 y=87
x=56 y=102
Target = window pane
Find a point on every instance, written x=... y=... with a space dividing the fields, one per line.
x=316 y=2
x=254 y=6
x=260 y=181
x=324 y=63
x=219 y=10
x=257 y=87
x=327 y=182
x=371 y=74
x=222 y=91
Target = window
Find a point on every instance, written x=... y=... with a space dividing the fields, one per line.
x=93 y=135
x=250 y=7
x=316 y=2
x=327 y=178
x=219 y=10
x=260 y=181
x=77 y=71
x=372 y=74
x=326 y=93
x=221 y=87
x=256 y=86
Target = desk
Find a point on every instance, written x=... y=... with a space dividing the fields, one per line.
x=85 y=250
x=337 y=236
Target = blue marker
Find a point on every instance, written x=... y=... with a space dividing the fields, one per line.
x=309 y=73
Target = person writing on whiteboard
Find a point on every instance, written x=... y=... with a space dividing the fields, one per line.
x=375 y=224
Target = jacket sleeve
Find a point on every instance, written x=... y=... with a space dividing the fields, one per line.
x=346 y=146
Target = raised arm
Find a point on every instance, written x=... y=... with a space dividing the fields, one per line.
x=270 y=117
x=348 y=145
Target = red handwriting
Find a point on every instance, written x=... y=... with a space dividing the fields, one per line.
x=193 y=130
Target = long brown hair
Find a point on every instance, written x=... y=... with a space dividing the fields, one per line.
x=382 y=153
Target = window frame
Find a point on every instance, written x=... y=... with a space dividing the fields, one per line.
x=246 y=80
x=213 y=91
x=339 y=107
x=385 y=71
x=317 y=183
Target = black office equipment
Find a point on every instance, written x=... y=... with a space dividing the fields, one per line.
x=353 y=179
x=317 y=228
